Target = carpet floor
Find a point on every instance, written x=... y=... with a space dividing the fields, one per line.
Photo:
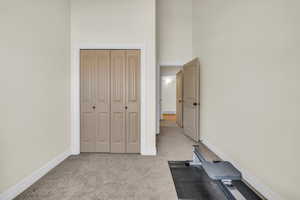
x=95 y=176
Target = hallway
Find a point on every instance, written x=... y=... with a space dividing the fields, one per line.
x=172 y=144
x=93 y=176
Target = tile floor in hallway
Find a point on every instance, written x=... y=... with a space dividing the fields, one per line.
x=94 y=176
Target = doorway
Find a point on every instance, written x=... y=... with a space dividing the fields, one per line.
x=169 y=91
x=110 y=101
x=180 y=98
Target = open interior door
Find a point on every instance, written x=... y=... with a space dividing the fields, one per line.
x=179 y=84
x=191 y=85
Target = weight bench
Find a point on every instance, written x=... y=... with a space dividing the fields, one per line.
x=222 y=172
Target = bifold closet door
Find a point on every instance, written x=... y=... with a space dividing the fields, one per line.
x=109 y=95
x=94 y=101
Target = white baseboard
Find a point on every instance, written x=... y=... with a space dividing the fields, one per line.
x=149 y=153
x=252 y=180
x=25 y=183
x=175 y=64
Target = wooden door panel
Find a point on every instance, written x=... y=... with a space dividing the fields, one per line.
x=133 y=139
x=86 y=90
x=103 y=79
x=179 y=83
x=191 y=99
x=88 y=130
x=103 y=132
x=132 y=101
x=102 y=89
x=189 y=122
x=88 y=118
x=94 y=100
x=189 y=81
x=132 y=76
x=118 y=77
x=118 y=130
x=132 y=79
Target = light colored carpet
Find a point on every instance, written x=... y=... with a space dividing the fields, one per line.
x=92 y=176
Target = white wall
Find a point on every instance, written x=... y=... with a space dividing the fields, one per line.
x=118 y=24
x=249 y=53
x=169 y=70
x=168 y=89
x=168 y=94
x=174 y=31
x=34 y=85
x=174 y=37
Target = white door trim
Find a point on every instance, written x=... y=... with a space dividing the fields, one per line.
x=75 y=94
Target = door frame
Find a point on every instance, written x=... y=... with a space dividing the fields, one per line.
x=158 y=91
x=75 y=94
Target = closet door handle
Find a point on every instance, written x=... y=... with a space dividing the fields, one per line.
x=94 y=107
x=126 y=107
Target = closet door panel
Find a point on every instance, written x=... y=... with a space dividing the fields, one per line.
x=88 y=118
x=102 y=109
x=132 y=101
x=94 y=100
x=118 y=131
x=88 y=132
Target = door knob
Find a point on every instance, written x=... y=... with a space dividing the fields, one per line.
x=126 y=107
x=94 y=107
x=195 y=104
x=180 y=101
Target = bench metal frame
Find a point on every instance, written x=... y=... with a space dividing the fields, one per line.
x=230 y=191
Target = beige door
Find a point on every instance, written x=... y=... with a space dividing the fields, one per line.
x=179 y=83
x=132 y=101
x=125 y=91
x=95 y=101
x=191 y=99
x=118 y=100
x=110 y=93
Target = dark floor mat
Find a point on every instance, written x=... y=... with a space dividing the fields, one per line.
x=246 y=191
x=192 y=183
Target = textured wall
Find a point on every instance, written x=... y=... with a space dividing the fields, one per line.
x=174 y=31
x=249 y=53
x=34 y=85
